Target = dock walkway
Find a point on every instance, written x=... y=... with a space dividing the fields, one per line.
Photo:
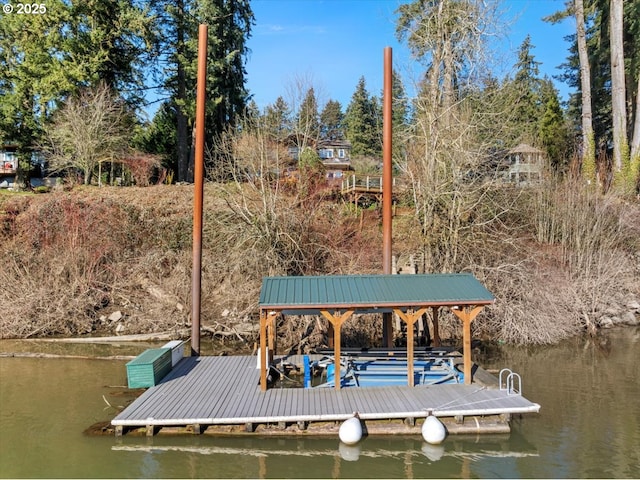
x=204 y=391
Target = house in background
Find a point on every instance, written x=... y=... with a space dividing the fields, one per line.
x=335 y=155
x=336 y=158
x=8 y=159
x=525 y=165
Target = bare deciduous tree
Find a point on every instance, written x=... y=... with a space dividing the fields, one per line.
x=444 y=149
x=89 y=130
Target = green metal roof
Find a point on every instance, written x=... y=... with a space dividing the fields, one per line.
x=371 y=292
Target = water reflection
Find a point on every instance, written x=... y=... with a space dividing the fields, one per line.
x=398 y=457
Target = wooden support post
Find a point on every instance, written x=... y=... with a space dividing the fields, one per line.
x=271 y=333
x=336 y=320
x=410 y=319
x=434 y=321
x=331 y=335
x=263 y=351
x=467 y=314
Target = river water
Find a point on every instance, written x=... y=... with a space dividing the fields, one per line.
x=588 y=426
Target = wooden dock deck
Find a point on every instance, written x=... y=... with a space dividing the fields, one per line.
x=207 y=391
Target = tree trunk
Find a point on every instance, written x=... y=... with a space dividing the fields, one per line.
x=588 y=141
x=618 y=94
x=182 y=140
x=635 y=141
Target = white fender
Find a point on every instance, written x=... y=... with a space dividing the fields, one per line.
x=350 y=431
x=433 y=430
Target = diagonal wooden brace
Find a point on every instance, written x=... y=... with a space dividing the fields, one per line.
x=336 y=321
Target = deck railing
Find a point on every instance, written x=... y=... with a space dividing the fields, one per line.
x=363 y=183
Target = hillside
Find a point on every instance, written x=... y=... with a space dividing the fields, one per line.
x=93 y=261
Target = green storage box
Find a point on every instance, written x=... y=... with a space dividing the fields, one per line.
x=148 y=368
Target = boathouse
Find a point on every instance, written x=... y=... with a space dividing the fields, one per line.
x=338 y=297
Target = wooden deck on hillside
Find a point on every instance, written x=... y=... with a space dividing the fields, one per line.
x=206 y=391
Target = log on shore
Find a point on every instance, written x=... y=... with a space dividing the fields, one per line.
x=55 y=355
x=140 y=337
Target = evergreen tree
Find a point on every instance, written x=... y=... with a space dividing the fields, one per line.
x=277 y=119
x=552 y=128
x=230 y=23
x=331 y=120
x=526 y=87
x=307 y=119
x=360 y=122
x=44 y=58
x=35 y=72
x=112 y=43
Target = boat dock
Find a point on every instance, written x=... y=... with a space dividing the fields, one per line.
x=222 y=394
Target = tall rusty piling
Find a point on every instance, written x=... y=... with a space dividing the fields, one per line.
x=196 y=272
x=387 y=182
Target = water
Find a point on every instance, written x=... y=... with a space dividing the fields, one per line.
x=588 y=426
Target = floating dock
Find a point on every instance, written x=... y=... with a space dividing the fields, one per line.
x=222 y=394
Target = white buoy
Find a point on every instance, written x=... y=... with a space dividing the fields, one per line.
x=433 y=430
x=350 y=431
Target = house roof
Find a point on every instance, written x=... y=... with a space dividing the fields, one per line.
x=334 y=143
x=525 y=148
x=310 y=294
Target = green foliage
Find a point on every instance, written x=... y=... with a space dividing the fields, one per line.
x=552 y=128
x=309 y=159
x=113 y=41
x=331 y=121
x=307 y=121
x=36 y=70
x=277 y=119
x=230 y=25
x=158 y=136
x=361 y=122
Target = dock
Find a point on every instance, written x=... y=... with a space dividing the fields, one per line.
x=204 y=394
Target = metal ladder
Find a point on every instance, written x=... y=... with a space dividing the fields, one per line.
x=509 y=385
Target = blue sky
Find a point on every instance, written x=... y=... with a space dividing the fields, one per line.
x=330 y=44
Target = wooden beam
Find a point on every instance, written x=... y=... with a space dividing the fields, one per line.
x=467 y=314
x=410 y=319
x=336 y=320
